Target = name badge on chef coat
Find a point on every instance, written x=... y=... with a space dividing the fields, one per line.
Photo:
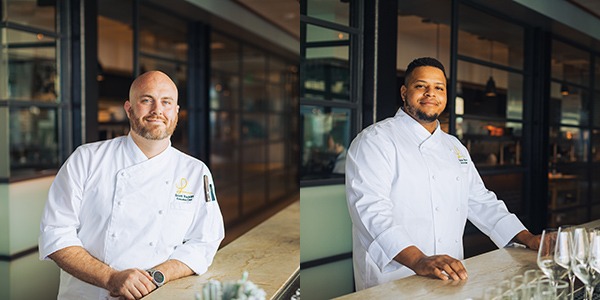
x=182 y=194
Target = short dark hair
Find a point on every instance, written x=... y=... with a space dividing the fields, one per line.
x=423 y=62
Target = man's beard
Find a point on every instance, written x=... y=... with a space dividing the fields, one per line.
x=152 y=133
x=420 y=114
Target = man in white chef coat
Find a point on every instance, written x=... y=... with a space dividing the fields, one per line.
x=126 y=215
x=411 y=188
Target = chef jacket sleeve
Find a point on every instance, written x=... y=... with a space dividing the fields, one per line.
x=204 y=236
x=369 y=174
x=60 y=218
x=489 y=214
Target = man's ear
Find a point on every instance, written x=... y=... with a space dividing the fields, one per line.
x=403 y=92
x=127 y=106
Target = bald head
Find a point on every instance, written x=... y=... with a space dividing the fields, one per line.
x=151 y=78
x=152 y=106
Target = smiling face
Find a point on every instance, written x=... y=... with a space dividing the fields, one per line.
x=152 y=106
x=424 y=95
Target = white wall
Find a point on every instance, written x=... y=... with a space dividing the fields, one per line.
x=21 y=206
x=325 y=230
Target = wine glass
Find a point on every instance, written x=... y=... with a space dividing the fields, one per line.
x=545 y=259
x=580 y=260
x=562 y=254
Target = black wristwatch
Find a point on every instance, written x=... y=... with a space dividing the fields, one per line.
x=157 y=277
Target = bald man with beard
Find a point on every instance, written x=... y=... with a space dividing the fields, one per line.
x=126 y=215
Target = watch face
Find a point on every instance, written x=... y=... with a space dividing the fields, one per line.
x=158 y=276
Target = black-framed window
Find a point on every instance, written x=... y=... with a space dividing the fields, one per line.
x=253 y=125
x=329 y=88
x=31 y=99
x=572 y=135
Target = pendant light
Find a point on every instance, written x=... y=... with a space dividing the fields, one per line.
x=490 y=86
x=564 y=89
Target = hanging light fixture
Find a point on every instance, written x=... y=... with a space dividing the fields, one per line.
x=564 y=89
x=490 y=86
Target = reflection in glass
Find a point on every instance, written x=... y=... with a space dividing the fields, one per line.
x=224 y=91
x=508 y=101
x=254 y=159
x=569 y=109
x=39 y=14
x=254 y=127
x=224 y=54
x=320 y=34
x=324 y=142
x=162 y=34
x=329 y=10
x=224 y=160
x=326 y=78
x=277 y=98
x=32 y=68
x=254 y=65
x=568 y=144
x=570 y=64
x=491 y=143
x=33 y=140
x=596 y=145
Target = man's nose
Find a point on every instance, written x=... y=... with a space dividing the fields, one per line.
x=157 y=108
x=429 y=92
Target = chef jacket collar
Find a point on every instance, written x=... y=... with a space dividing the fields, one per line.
x=420 y=134
x=136 y=153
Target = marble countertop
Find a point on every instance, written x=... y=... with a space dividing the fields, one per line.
x=270 y=252
x=484 y=270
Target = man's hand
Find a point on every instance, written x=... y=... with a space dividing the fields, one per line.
x=443 y=267
x=528 y=239
x=130 y=284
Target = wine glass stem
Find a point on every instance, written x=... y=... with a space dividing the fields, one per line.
x=572 y=284
x=589 y=292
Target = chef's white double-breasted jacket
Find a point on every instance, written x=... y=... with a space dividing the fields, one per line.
x=406 y=186
x=130 y=211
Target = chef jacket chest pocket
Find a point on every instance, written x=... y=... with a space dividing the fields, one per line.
x=178 y=219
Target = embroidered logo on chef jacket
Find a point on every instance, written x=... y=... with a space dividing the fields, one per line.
x=462 y=159
x=181 y=194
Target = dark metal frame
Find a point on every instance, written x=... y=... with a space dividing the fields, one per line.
x=355 y=44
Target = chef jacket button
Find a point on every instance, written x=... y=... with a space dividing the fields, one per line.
x=151 y=244
x=437 y=208
x=456 y=241
x=160 y=212
x=167 y=182
x=433 y=177
x=120 y=203
x=440 y=240
x=457 y=178
x=122 y=174
x=457 y=209
x=113 y=235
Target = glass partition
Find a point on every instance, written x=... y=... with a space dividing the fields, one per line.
x=30 y=95
x=326 y=137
